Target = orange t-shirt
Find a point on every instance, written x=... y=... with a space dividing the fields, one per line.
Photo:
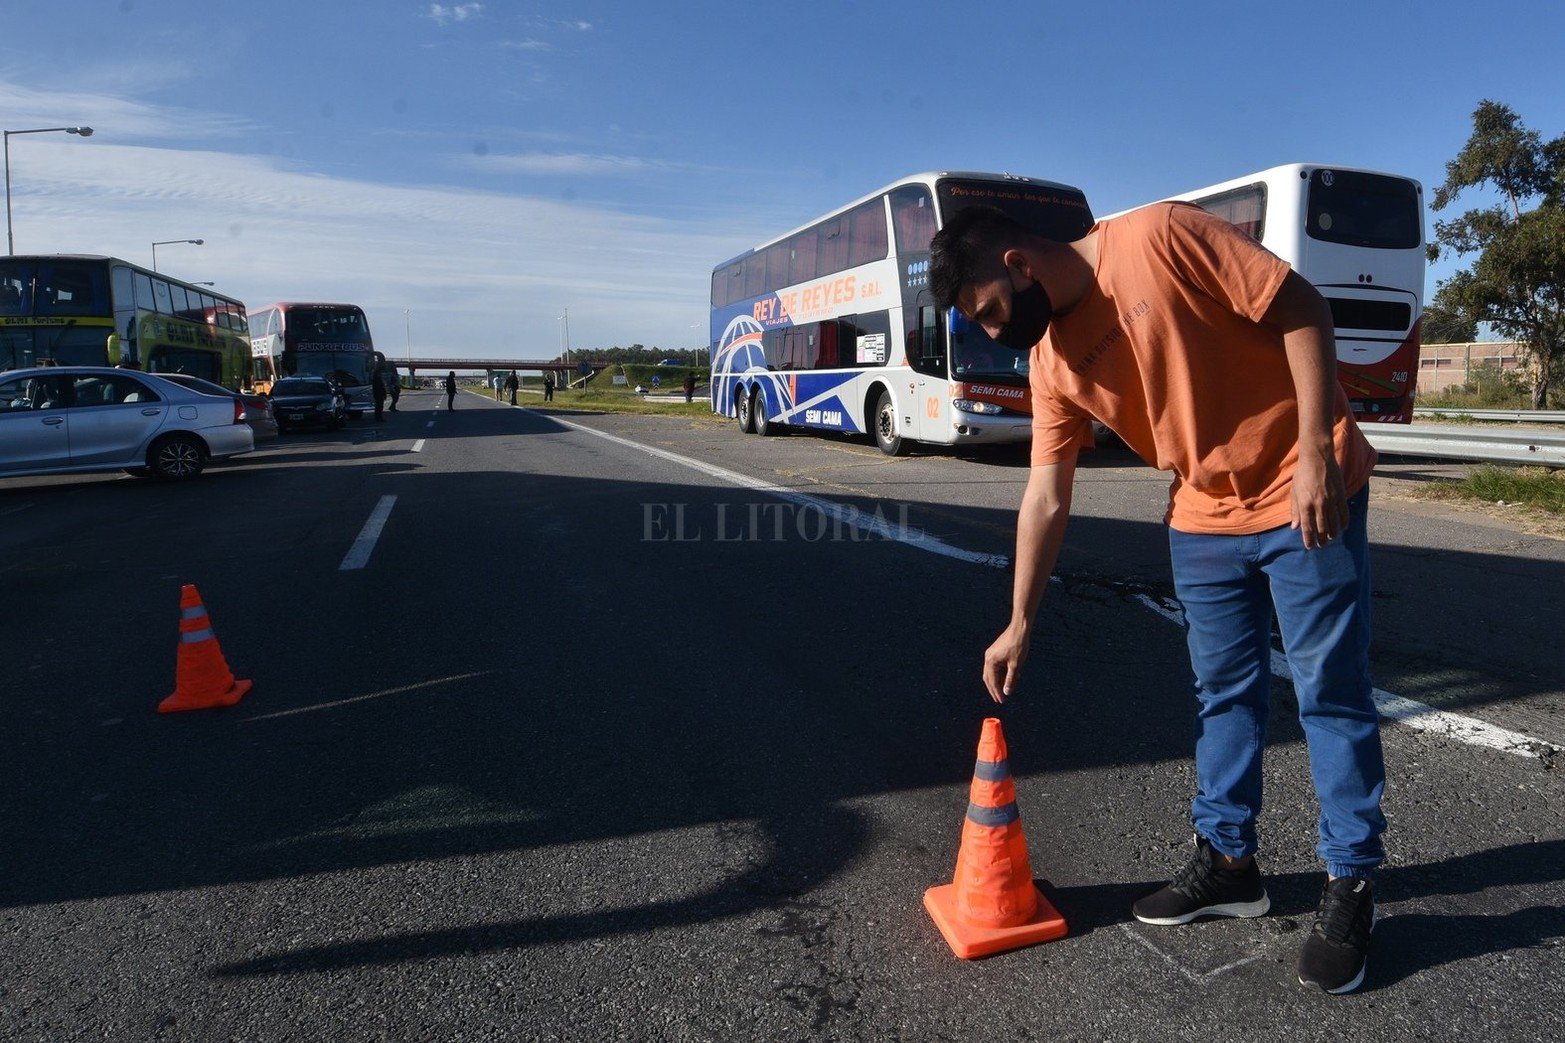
x=1167 y=349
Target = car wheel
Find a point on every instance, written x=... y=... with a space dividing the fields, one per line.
x=176 y=458
x=744 y=409
x=886 y=435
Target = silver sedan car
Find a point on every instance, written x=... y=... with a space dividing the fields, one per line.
x=70 y=419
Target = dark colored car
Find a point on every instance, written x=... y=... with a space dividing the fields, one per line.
x=308 y=402
x=258 y=409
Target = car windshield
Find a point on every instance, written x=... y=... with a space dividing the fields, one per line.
x=301 y=387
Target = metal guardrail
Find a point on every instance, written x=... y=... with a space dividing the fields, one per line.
x=1523 y=416
x=1464 y=442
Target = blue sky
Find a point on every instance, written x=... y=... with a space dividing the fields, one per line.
x=487 y=166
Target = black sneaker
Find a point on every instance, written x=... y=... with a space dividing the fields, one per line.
x=1204 y=888
x=1336 y=952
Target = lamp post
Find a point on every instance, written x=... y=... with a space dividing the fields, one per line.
x=86 y=132
x=565 y=333
x=166 y=242
x=696 y=326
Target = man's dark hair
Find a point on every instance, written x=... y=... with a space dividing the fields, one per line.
x=968 y=249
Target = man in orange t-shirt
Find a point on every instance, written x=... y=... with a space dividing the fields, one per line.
x=1213 y=360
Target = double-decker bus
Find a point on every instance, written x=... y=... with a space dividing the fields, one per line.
x=291 y=339
x=1358 y=236
x=84 y=310
x=832 y=326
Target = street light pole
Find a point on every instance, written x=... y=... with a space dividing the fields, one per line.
x=565 y=334
x=407 y=323
x=166 y=242
x=86 y=132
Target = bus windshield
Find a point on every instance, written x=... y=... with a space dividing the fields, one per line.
x=1362 y=209
x=331 y=342
x=1053 y=211
x=327 y=326
x=348 y=368
x=53 y=287
x=974 y=356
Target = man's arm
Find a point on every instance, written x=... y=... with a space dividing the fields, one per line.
x=1320 y=501
x=1040 y=529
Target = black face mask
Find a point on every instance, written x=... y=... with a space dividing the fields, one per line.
x=1031 y=311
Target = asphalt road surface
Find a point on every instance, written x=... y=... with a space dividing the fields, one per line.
x=597 y=742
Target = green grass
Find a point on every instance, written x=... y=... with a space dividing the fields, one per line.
x=611 y=398
x=1537 y=487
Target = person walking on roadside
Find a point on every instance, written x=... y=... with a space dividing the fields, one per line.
x=450 y=386
x=548 y=387
x=393 y=385
x=690 y=388
x=511 y=385
x=1141 y=325
x=378 y=390
x=499 y=383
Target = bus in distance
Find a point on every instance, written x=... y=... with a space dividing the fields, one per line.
x=832 y=326
x=1358 y=236
x=291 y=339
x=88 y=310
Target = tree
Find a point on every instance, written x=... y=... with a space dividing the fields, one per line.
x=1440 y=325
x=1517 y=283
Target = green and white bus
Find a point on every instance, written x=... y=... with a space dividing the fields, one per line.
x=87 y=310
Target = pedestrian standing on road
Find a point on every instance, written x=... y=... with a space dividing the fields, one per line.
x=450 y=386
x=548 y=387
x=393 y=385
x=511 y=385
x=690 y=387
x=499 y=382
x=378 y=391
x=1141 y=324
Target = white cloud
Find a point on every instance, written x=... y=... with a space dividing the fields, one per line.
x=524 y=45
x=111 y=116
x=440 y=14
x=483 y=273
x=555 y=163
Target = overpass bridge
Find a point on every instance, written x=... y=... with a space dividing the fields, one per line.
x=562 y=372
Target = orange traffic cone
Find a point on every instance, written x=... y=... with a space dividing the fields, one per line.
x=201 y=676
x=992 y=905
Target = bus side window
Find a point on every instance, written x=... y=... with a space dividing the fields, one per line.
x=827 y=337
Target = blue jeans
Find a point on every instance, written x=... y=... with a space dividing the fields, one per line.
x=1229 y=586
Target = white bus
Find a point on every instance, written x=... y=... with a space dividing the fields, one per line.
x=1358 y=236
x=832 y=326
x=291 y=338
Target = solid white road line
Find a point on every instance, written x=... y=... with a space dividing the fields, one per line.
x=1408 y=711
x=851 y=517
x=359 y=553
x=418 y=447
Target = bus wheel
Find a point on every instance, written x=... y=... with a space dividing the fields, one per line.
x=176 y=458
x=763 y=426
x=891 y=443
x=744 y=409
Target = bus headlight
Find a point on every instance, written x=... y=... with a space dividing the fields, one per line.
x=968 y=405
